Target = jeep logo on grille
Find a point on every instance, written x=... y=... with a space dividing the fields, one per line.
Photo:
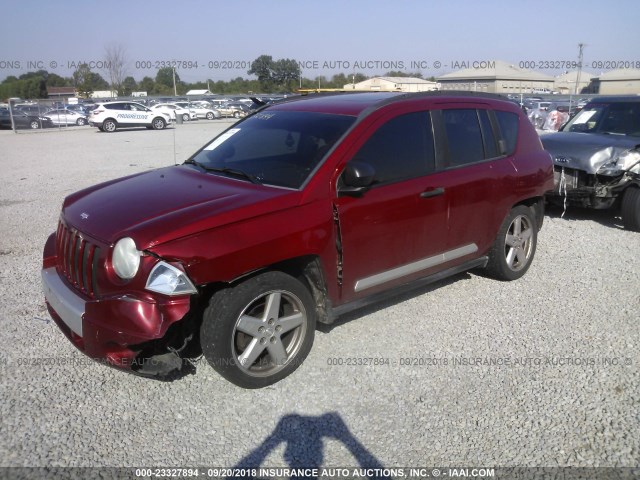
x=561 y=160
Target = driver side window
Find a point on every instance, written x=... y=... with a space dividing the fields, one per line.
x=400 y=149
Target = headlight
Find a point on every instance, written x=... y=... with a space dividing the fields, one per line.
x=626 y=161
x=126 y=258
x=169 y=280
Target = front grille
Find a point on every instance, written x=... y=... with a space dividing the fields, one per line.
x=572 y=178
x=77 y=259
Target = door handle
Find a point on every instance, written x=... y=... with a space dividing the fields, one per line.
x=432 y=193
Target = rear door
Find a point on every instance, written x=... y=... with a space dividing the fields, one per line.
x=141 y=115
x=474 y=167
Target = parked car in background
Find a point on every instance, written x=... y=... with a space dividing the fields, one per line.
x=32 y=109
x=80 y=108
x=233 y=109
x=299 y=213
x=559 y=113
x=66 y=117
x=536 y=105
x=22 y=120
x=201 y=111
x=110 y=116
x=597 y=158
x=175 y=110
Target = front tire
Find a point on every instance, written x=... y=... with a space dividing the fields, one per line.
x=631 y=209
x=515 y=245
x=259 y=331
x=185 y=117
x=34 y=124
x=158 y=123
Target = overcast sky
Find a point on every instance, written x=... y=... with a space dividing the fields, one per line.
x=223 y=36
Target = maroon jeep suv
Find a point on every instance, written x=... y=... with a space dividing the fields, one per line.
x=298 y=213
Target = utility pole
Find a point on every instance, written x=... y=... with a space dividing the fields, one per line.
x=175 y=92
x=580 y=48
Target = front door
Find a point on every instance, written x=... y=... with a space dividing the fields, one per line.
x=397 y=230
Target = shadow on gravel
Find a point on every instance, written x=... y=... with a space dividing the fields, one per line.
x=303 y=438
x=411 y=292
x=608 y=218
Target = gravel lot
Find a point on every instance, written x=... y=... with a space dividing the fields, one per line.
x=567 y=336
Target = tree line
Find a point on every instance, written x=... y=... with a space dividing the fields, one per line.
x=273 y=76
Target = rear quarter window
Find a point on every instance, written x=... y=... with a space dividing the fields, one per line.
x=508 y=123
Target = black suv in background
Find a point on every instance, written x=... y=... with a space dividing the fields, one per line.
x=596 y=158
x=23 y=120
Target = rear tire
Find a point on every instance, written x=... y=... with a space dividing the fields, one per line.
x=259 y=331
x=515 y=245
x=210 y=116
x=631 y=209
x=109 y=125
x=80 y=122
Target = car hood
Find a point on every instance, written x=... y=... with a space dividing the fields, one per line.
x=169 y=203
x=586 y=151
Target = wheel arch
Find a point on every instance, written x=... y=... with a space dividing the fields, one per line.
x=537 y=205
x=307 y=269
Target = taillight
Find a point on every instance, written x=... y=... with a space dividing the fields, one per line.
x=97 y=111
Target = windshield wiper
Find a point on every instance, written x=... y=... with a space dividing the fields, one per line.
x=194 y=162
x=229 y=171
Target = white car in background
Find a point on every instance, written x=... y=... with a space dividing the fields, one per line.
x=176 y=110
x=66 y=117
x=201 y=111
x=110 y=116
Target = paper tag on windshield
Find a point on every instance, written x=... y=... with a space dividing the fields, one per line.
x=583 y=117
x=222 y=138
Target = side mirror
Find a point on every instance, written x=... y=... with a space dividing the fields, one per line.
x=357 y=178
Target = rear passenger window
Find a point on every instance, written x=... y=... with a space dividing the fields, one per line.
x=508 y=123
x=464 y=136
x=400 y=149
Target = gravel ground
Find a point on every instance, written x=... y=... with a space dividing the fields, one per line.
x=566 y=336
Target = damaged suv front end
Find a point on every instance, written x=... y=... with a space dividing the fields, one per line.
x=114 y=281
x=597 y=158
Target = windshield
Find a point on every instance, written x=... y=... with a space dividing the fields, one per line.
x=274 y=147
x=613 y=118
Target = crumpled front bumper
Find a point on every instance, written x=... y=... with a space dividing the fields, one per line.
x=109 y=329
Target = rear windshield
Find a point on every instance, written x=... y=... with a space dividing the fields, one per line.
x=614 y=118
x=276 y=148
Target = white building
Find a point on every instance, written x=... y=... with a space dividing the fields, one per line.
x=393 y=84
x=566 y=83
x=199 y=92
x=496 y=77
x=618 y=82
x=104 y=94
